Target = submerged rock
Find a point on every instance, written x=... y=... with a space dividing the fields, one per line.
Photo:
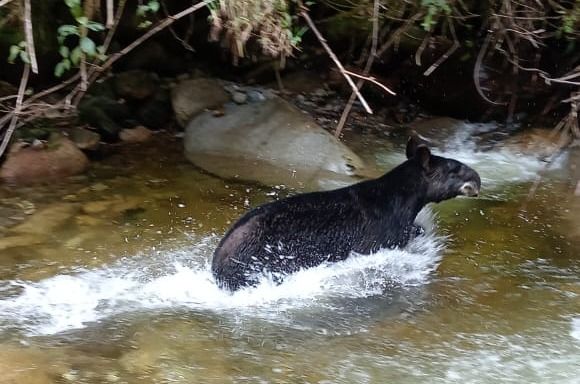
x=113 y=206
x=59 y=159
x=270 y=142
x=191 y=97
x=20 y=241
x=47 y=220
x=31 y=365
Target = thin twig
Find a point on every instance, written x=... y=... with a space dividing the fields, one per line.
x=367 y=69
x=398 y=33
x=330 y=53
x=113 y=28
x=29 y=36
x=4 y=2
x=110 y=13
x=17 y=108
x=76 y=95
x=477 y=70
x=419 y=51
x=446 y=55
x=372 y=80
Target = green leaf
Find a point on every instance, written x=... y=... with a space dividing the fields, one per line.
x=153 y=6
x=88 y=46
x=75 y=55
x=144 y=24
x=25 y=57
x=82 y=20
x=59 y=69
x=141 y=10
x=64 y=51
x=72 y=3
x=22 y=44
x=94 y=26
x=65 y=30
x=101 y=53
x=14 y=51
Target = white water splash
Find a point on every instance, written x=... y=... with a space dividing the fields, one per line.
x=182 y=279
x=496 y=167
x=575 y=332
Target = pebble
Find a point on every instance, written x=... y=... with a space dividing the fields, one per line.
x=239 y=97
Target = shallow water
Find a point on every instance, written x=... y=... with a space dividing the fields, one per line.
x=490 y=294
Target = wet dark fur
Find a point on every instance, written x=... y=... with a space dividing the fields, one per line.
x=309 y=229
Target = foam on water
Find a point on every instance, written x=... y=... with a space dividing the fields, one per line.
x=182 y=279
x=495 y=167
x=575 y=332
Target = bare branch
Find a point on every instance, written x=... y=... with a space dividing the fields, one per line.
x=322 y=41
x=372 y=80
x=29 y=37
x=17 y=109
x=446 y=55
x=110 y=13
x=113 y=28
x=477 y=70
x=76 y=95
x=4 y=2
x=367 y=69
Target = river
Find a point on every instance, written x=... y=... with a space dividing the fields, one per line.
x=124 y=295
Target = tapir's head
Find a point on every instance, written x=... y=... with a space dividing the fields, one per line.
x=445 y=178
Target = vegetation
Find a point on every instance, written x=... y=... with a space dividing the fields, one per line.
x=535 y=42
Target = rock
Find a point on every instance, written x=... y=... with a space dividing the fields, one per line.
x=272 y=143
x=60 y=159
x=88 y=221
x=85 y=139
x=9 y=216
x=47 y=220
x=255 y=96
x=239 y=97
x=153 y=56
x=536 y=142
x=112 y=207
x=136 y=84
x=19 y=241
x=156 y=112
x=138 y=134
x=106 y=115
x=301 y=82
x=31 y=365
x=191 y=97
x=446 y=131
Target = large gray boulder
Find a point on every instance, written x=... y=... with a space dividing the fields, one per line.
x=270 y=142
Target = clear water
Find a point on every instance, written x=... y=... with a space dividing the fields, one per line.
x=491 y=293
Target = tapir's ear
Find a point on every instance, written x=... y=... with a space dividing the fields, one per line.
x=412 y=145
x=423 y=154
